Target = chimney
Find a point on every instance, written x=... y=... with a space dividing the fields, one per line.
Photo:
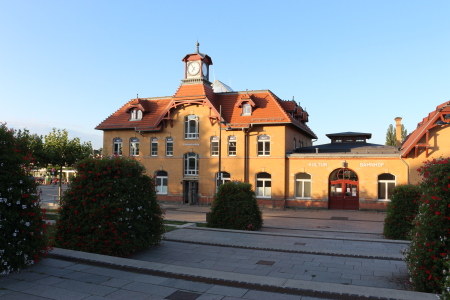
x=398 y=130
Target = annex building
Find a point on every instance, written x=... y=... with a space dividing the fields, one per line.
x=207 y=134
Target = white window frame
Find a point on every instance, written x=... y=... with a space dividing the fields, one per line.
x=385 y=182
x=169 y=142
x=214 y=146
x=221 y=178
x=264 y=191
x=161 y=188
x=135 y=115
x=191 y=127
x=188 y=158
x=264 y=143
x=246 y=109
x=302 y=181
x=154 y=147
x=134 y=147
x=232 y=140
x=117 y=146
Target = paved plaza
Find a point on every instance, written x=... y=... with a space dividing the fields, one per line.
x=298 y=254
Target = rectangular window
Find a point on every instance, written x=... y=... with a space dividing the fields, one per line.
x=169 y=147
x=161 y=185
x=231 y=148
x=246 y=110
x=134 y=147
x=154 y=147
x=118 y=147
x=214 y=146
x=263 y=148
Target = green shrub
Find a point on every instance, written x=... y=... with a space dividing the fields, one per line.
x=430 y=243
x=401 y=211
x=110 y=208
x=235 y=207
x=22 y=230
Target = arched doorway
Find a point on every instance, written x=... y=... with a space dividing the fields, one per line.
x=343 y=189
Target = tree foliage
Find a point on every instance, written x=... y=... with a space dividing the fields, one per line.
x=22 y=230
x=391 y=137
x=235 y=207
x=61 y=151
x=110 y=208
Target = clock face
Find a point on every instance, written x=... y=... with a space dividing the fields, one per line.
x=205 y=70
x=193 y=68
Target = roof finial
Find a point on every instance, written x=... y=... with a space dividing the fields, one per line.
x=198 y=44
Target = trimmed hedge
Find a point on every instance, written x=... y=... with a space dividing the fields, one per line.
x=22 y=231
x=235 y=207
x=401 y=212
x=110 y=208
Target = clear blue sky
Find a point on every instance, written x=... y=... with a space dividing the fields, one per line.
x=354 y=65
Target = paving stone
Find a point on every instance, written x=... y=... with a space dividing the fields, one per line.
x=95 y=289
x=149 y=289
x=183 y=295
x=55 y=293
x=21 y=296
x=86 y=277
x=127 y=294
x=20 y=286
x=115 y=282
x=187 y=285
x=227 y=291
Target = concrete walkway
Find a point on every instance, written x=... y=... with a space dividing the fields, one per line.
x=299 y=254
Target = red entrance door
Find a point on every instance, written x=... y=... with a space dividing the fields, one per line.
x=344 y=194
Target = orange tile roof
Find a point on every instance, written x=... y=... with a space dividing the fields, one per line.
x=268 y=109
x=422 y=127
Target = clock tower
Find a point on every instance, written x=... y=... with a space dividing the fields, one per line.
x=196 y=68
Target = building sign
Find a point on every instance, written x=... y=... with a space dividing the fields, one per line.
x=318 y=165
x=191 y=144
x=370 y=165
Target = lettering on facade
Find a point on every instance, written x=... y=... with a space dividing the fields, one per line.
x=369 y=165
x=191 y=144
x=318 y=165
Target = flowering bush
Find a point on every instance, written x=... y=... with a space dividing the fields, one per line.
x=110 y=208
x=235 y=207
x=22 y=230
x=401 y=211
x=430 y=243
x=446 y=287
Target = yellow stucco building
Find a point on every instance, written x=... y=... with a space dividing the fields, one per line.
x=207 y=134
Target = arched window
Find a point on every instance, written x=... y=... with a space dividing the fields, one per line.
x=214 y=146
x=191 y=164
x=135 y=115
x=169 y=146
x=154 y=147
x=117 y=146
x=191 y=130
x=232 y=145
x=161 y=182
x=386 y=182
x=263 y=185
x=134 y=147
x=221 y=178
x=302 y=185
x=264 y=145
x=295 y=144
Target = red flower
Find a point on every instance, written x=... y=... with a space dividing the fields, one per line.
x=438 y=213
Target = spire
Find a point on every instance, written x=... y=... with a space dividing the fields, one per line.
x=198 y=44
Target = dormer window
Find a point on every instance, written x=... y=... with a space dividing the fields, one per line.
x=135 y=115
x=246 y=109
